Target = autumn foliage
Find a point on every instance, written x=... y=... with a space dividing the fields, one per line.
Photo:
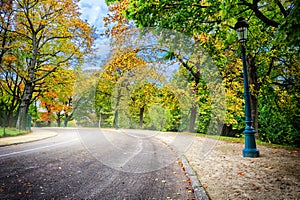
x=272 y=59
x=38 y=39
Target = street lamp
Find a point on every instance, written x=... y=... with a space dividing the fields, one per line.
x=250 y=150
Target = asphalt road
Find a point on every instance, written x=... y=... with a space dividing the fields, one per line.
x=93 y=164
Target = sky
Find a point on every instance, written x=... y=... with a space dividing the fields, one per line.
x=93 y=11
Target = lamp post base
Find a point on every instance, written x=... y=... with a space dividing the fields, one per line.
x=250 y=153
x=250 y=145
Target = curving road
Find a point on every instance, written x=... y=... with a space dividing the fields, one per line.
x=93 y=164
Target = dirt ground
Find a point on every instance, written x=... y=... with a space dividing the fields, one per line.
x=225 y=174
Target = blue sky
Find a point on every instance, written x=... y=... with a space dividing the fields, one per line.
x=93 y=11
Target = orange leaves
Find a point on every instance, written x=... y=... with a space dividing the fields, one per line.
x=8 y=59
x=47 y=116
x=60 y=89
x=117 y=19
x=240 y=174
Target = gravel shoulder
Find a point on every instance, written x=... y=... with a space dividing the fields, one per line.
x=225 y=174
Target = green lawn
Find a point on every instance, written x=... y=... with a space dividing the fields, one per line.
x=11 y=132
x=242 y=140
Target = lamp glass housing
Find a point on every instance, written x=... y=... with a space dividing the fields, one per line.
x=242 y=34
x=241 y=28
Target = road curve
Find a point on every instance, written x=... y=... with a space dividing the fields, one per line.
x=93 y=164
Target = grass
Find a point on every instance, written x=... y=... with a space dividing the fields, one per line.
x=242 y=140
x=11 y=132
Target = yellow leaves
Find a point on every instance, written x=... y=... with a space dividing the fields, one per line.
x=193 y=84
x=234 y=105
x=202 y=37
x=121 y=63
x=117 y=20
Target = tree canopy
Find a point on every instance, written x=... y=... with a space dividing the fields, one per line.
x=37 y=39
x=272 y=52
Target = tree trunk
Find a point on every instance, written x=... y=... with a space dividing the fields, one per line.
x=254 y=84
x=68 y=117
x=142 y=109
x=229 y=132
x=11 y=118
x=58 y=121
x=116 y=122
x=25 y=102
x=100 y=119
x=13 y=109
x=66 y=122
x=29 y=85
x=193 y=116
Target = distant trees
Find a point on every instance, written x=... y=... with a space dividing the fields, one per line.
x=42 y=40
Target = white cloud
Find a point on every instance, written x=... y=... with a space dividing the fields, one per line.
x=93 y=11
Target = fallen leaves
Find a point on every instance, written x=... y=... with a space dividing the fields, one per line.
x=240 y=174
x=181 y=165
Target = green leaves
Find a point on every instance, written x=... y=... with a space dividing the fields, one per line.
x=272 y=54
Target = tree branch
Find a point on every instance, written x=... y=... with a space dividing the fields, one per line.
x=53 y=70
x=258 y=13
x=53 y=38
x=282 y=9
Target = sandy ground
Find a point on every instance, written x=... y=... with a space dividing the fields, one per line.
x=225 y=174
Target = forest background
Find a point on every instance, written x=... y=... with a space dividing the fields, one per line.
x=44 y=45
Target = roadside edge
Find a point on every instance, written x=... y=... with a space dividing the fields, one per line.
x=199 y=191
x=30 y=137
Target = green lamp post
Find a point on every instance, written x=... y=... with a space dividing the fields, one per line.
x=250 y=150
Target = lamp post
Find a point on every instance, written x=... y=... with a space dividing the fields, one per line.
x=250 y=150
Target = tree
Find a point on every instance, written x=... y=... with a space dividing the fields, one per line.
x=211 y=24
x=119 y=68
x=11 y=89
x=11 y=83
x=123 y=26
x=103 y=97
x=142 y=98
x=50 y=35
x=168 y=103
x=82 y=100
x=57 y=96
